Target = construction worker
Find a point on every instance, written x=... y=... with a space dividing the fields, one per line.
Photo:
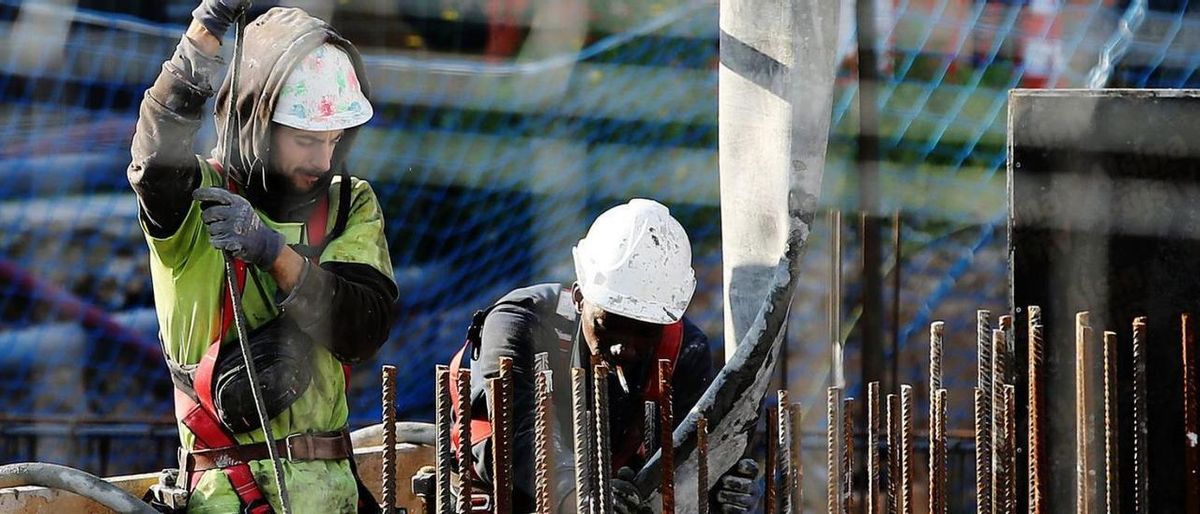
x=634 y=281
x=307 y=238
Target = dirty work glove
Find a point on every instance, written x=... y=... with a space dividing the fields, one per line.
x=626 y=497
x=233 y=226
x=734 y=492
x=218 y=15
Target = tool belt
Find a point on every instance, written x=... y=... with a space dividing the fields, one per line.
x=296 y=447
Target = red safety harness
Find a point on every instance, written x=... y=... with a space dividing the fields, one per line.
x=201 y=417
x=481 y=429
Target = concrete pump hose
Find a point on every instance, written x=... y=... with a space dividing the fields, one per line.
x=70 y=479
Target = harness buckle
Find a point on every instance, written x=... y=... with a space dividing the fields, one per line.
x=293 y=449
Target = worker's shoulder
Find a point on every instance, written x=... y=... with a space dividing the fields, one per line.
x=540 y=299
x=693 y=336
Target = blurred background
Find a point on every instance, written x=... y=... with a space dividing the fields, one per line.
x=502 y=128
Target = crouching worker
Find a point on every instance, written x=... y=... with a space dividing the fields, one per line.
x=634 y=281
x=312 y=266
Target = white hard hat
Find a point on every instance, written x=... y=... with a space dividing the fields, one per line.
x=636 y=261
x=322 y=93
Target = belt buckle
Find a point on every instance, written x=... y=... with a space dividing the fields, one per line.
x=292 y=448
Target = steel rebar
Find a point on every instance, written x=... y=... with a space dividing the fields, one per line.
x=1112 y=484
x=797 y=463
x=847 y=456
x=666 y=441
x=770 y=495
x=1006 y=326
x=783 y=434
x=937 y=453
x=502 y=436
x=1191 y=416
x=582 y=439
x=983 y=456
x=1006 y=502
x=999 y=371
x=443 y=454
x=937 y=331
x=873 y=490
x=650 y=428
x=542 y=449
x=388 y=476
x=1141 y=470
x=702 y=465
x=1037 y=359
x=893 y=453
x=604 y=472
x=833 y=453
x=465 y=466
x=907 y=452
x=1088 y=462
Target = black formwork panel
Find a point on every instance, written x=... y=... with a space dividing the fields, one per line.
x=1104 y=205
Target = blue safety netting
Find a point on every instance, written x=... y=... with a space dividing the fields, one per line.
x=490 y=163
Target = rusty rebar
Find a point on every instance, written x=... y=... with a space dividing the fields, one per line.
x=847 y=456
x=702 y=465
x=983 y=455
x=443 y=453
x=388 y=476
x=873 y=490
x=937 y=453
x=465 y=465
x=1006 y=501
x=1191 y=416
x=833 y=452
x=1036 y=371
x=1089 y=458
x=908 y=455
x=1141 y=470
x=603 y=439
x=783 y=435
x=543 y=451
x=666 y=442
x=797 y=463
x=771 y=492
x=893 y=453
x=999 y=371
x=1112 y=484
x=502 y=436
x=937 y=331
x=580 y=417
x=650 y=428
x=1006 y=326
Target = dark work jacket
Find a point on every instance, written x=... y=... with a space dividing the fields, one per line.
x=535 y=319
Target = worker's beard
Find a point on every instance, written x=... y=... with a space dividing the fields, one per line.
x=274 y=193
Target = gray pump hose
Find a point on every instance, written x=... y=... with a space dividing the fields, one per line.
x=70 y=479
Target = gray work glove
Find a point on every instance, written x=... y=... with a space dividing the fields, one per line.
x=626 y=497
x=233 y=226
x=218 y=15
x=734 y=492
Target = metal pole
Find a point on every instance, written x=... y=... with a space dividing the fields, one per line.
x=999 y=371
x=1037 y=359
x=543 y=451
x=1141 y=470
x=388 y=477
x=907 y=452
x=603 y=439
x=867 y=163
x=873 y=490
x=1112 y=484
x=783 y=452
x=583 y=437
x=666 y=441
x=835 y=301
x=502 y=436
x=1087 y=462
x=983 y=461
x=896 y=274
x=937 y=453
x=1008 y=498
x=443 y=455
x=465 y=464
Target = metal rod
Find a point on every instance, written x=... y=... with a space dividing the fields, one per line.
x=999 y=371
x=837 y=368
x=702 y=465
x=542 y=449
x=388 y=476
x=465 y=465
x=443 y=454
x=1009 y=456
x=1088 y=465
x=1112 y=484
x=502 y=436
x=650 y=428
x=771 y=494
x=897 y=270
x=907 y=452
x=937 y=453
x=797 y=464
x=873 y=491
x=1191 y=416
x=936 y=334
x=1006 y=325
x=937 y=331
x=783 y=462
x=583 y=438
x=666 y=426
x=1036 y=371
x=1141 y=470
x=833 y=453
x=847 y=455
x=983 y=461
x=893 y=452
x=604 y=472
x=983 y=426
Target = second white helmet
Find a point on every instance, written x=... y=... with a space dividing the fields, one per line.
x=636 y=261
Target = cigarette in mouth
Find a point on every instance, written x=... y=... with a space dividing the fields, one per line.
x=621 y=379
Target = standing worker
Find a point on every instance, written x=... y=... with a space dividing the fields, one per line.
x=634 y=280
x=313 y=271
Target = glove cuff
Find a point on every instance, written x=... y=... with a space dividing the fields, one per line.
x=270 y=252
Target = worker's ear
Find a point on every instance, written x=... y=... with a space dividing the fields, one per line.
x=577 y=297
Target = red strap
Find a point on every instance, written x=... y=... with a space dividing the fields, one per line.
x=481 y=429
x=668 y=348
x=315 y=228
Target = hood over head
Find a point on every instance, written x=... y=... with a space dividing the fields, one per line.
x=274 y=45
